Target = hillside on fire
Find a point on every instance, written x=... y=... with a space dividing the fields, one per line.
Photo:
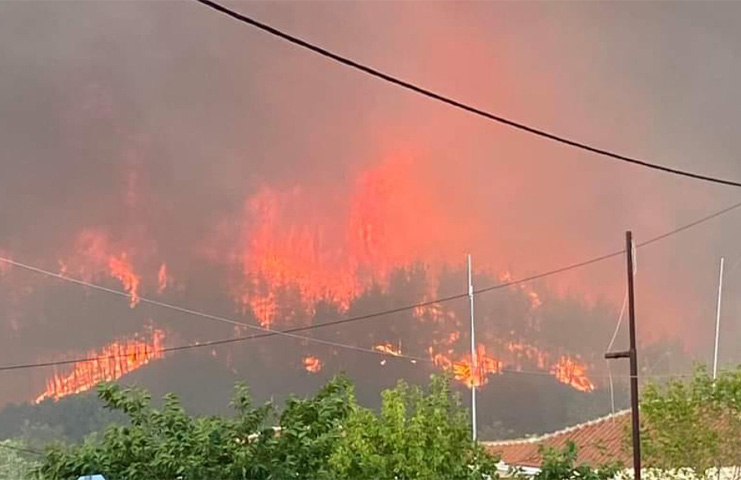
x=550 y=382
x=195 y=196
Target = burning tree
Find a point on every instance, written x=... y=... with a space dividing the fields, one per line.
x=110 y=363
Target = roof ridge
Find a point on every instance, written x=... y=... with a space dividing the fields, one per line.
x=546 y=436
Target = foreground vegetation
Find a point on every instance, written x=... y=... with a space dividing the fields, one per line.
x=16 y=461
x=692 y=428
x=417 y=434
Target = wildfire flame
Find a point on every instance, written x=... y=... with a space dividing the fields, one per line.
x=287 y=243
x=287 y=250
x=162 y=279
x=112 y=362
x=569 y=370
x=388 y=348
x=535 y=301
x=312 y=364
x=464 y=370
x=120 y=268
x=529 y=352
x=572 y=372
x=94 y=255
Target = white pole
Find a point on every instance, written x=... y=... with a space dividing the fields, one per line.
x=474 y=360
x=717 y=320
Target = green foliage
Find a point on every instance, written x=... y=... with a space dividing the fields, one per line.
x=417 y=435
x=560 y=465
x=329 y=436
x=309 y=432
x=692 y=426
x=14 y=463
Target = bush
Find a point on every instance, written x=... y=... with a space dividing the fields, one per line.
x=417 y=435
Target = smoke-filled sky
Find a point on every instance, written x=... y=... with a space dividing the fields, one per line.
x=162 y=127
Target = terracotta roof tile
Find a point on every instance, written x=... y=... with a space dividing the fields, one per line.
x=599 y=441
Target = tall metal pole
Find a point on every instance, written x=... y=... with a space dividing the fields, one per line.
x=474 y=360
x=717 y=320
x=633 y=356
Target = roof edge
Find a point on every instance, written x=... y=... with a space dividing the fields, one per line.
x=567 y=430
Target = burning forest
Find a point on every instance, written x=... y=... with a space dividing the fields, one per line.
x=147 y=170
x=289 y=263
x=112 y=362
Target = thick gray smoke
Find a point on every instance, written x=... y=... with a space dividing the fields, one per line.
x=155 y=121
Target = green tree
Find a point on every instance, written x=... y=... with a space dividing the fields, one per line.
x=162 y=443
x=417 y=435
x=561 y=465
x=329 y=436
x=693 y=426
x=15 y=462
x=310 y=430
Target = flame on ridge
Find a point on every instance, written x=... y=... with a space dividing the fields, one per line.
x=391 y=220
x=162 y=279
x=112 y=362
x=312 y=364
x=94 y=256
x=288 y=243
x=568 y=370
x=388 y=348
x=572 y=372
x=121 y=268
x=464 y=370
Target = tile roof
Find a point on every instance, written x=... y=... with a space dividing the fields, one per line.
x=599 y=441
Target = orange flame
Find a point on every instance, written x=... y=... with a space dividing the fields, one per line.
x=111 y=363
x=388 y=348
x=94 y=256
x=162 y=279
x=529 y=352
x=298 y=255
x=463 y=369
x=569 y=370
x=313 y=364
x=572 y=372
x=289 y=246
x=535 y=301
x=120 y=268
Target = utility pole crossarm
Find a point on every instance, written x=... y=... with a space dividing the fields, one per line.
x=616 y=355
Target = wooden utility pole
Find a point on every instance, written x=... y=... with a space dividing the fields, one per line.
x=633 y=356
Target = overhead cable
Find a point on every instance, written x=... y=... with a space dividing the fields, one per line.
x=292 y=331
x=458 y=104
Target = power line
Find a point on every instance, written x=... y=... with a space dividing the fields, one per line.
x=615 y=253
x=20 y=449
x=549 y=273
x=455 y=103
x=266 y=332
x=689 y=225
x=291 y=332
